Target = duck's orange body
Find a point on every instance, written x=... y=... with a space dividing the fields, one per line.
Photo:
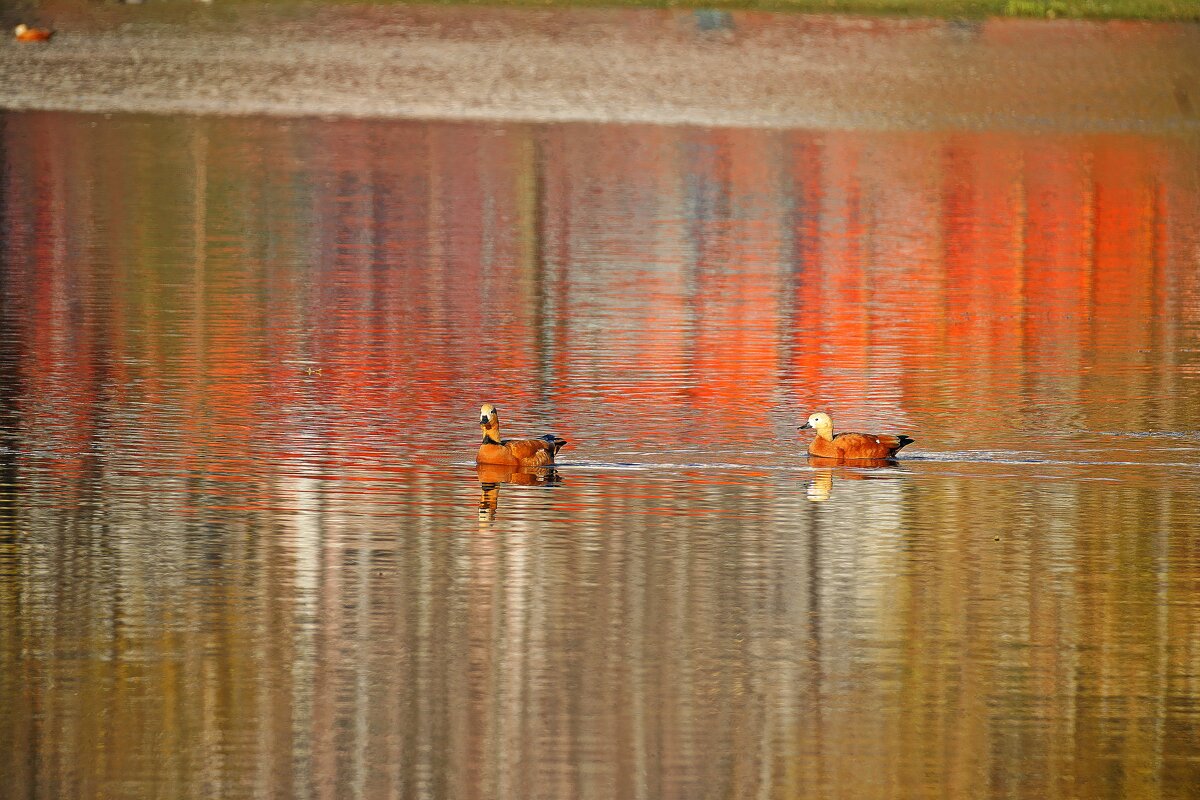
x=519 y=452
x=24 y=33
x=858 y=446
x=851 y=446
x=513 y=452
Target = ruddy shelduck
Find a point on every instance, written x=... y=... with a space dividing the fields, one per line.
x=850 y=446
x=24 y=33
x=538 y=452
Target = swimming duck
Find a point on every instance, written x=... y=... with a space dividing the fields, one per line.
x=24 y=33
x=850 y=446
x=538 y=452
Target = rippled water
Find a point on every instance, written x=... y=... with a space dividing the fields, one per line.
x=245 y=551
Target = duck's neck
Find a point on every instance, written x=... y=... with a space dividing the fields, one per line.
x=491 y=434
x=825 y=432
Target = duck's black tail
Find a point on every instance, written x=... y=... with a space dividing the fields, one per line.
x=556 y=443
x=905 y=441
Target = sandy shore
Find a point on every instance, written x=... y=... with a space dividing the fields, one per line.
x=670 y=67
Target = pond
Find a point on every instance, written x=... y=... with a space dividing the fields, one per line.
x=245 y=550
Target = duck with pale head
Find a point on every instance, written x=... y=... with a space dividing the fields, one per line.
x=538 y=452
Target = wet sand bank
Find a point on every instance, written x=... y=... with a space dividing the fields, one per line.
x=669 y=67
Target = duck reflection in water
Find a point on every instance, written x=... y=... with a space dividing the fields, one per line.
x=820 y=487
x=492 y=475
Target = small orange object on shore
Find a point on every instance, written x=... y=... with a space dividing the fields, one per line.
x=850 y=446
x=24 y=33
x=513 y=452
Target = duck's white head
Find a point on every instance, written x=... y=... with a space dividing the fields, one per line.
x=820 y=422
x=20 y=29
x=487 y=415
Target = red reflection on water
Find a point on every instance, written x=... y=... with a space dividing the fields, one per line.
x=357 y=288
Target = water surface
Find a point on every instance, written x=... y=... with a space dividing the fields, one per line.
x=245 y=551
